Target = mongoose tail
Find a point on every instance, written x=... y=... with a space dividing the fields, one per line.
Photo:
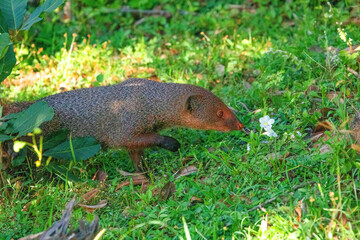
x=14 y=107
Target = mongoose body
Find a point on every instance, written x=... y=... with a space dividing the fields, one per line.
x=130 y=114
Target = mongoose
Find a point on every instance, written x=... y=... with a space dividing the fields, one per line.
x=130 y=114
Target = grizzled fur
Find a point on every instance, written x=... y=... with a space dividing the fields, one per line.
x=130 y=113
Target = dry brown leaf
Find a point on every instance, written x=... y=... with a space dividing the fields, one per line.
x=167 y=191
x=341 y=217
x=332 y=95
x=194 y=200
x=137 y=180
x=325 y=148
x=100 y=175
x=26 y=207
x=298 y=212
x=173 y=51
x=317 y=136
x=355 y=147
x=186 y=171
x=91 y=208
x=90 y=195
x=323 y=126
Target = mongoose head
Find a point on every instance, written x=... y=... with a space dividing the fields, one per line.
x=208 y=112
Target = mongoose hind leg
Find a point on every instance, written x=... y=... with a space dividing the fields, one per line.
x=136 y=158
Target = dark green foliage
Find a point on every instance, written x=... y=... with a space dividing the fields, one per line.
x=77 y=149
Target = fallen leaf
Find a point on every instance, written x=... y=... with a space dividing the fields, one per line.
x=298 y=212
x=325 y=148
x=355 y=147
x=167 y=191
x=194 y=200
x=317 y=136
x=91 y=208
x=26 y=207
x=323 y=126
x=186 y=171
x=90 y=195
x=100 y=175
x=341 y=217
x=137 y=180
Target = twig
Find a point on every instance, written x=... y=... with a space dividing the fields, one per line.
x=353 y=72
x=274 y=198
x=243 y=104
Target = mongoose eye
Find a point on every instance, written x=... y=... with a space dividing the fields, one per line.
x=220 y=113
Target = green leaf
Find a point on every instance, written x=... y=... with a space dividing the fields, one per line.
x=100 y=78
x=20 y=158
x=32 y=117
x=13 y=11
x=55 y=139
x=48 y=6
x=3 y=24
x=3 y=125
x=357 y=165
x=84 y=148
x=4 y=44
x=7 y=63
x=4 y=138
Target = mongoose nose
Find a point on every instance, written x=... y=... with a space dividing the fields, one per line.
x=239 y=126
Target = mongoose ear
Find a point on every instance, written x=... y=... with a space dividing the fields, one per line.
x=194 y=102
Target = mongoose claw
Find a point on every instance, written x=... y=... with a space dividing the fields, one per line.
x=170 y=144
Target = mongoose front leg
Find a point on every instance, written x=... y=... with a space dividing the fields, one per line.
x=137 y=145
x=154 y=140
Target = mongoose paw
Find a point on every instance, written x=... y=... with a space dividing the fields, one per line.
x=171 y=144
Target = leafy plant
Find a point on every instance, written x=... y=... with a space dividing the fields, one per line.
x=27 y=123
x=13 y=21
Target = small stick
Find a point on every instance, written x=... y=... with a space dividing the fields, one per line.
x=353 y=72
x=243 y=104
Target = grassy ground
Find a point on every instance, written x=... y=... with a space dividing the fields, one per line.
x=277 y=59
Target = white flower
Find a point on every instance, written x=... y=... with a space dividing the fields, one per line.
x=248 y=147
x=266 y=122
x=299 y=133
x=270 y=133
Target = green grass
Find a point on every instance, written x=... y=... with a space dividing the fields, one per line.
x=269 y=62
